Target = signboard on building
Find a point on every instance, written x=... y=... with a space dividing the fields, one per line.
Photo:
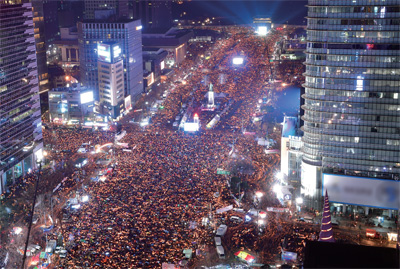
x=128 y=103
x=361 y=191
x=104 y=52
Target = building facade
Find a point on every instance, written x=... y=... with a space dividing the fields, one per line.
x=153 y=14
x=352 y=106
x=71 y=105
x=111 y=79
x=128 y=35
x=120 y=8
x=21 y=140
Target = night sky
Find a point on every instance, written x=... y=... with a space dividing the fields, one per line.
x=242 y=12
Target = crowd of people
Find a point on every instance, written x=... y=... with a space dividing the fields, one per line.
x=151 y=206
x=140 y=216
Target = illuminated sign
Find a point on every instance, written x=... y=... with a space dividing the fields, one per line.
x=162 y=64
x=139 y=27
x=128 y=103
x=237 y=60
x=191 y=127
x=103 y=52
x=362 y=191
x=116 y=52
x=86 y=97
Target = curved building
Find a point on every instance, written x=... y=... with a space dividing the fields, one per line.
x=352 y=87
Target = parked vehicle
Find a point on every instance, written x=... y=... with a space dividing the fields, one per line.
x=221 y=252
x=370 y=233
x=221 y=230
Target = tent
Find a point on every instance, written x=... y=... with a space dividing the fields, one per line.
x=245 y=256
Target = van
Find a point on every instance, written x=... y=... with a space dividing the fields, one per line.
x=221 y=230
x=217 y=240
x=221 y=252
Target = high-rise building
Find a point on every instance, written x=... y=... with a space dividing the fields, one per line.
x=117 y=7
x=46 y=29
x=153 y=14
x=111 y=78
x=352 y=105
x=128 y=34
x=21 y=140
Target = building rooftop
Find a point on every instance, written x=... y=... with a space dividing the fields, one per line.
x=76 y=87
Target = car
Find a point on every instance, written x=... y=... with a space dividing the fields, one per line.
x=58 y=249
x=63 y=253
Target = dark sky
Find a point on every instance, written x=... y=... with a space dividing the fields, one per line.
x=242 y=12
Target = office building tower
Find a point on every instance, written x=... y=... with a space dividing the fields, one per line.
x=352 y=105
x=128 y=35
x=111 y=79
x=96 y=8
x=70 y=12
x=153 y=14
x=38 y=22
x=21 y=139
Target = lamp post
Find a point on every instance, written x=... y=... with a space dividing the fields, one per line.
x=39 y=162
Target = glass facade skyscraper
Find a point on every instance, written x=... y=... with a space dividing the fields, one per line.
x=352 y=103
x=21 y=140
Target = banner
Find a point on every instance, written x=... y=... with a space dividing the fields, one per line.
x=224 y=209
x=277 y=209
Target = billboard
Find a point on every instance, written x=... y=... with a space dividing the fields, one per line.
x=104 y=52
x=289 y=256
x=237 y=60
x=86 y=97
x=370 y=192
x=128 y=103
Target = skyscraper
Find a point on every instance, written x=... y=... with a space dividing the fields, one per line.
x=111 y=78
x=119 y=7
x=153 y=14
x=21 y=139
x=352 y=106
x=128 y=34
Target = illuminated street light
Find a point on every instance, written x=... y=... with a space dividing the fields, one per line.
x=299 y=200
x=277 y=188
x=279 y=176
x=259 y=194
x=260 y=222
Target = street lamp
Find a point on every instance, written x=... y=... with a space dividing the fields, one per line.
x=299 y=200
x=259 y=194
x=39 y=162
